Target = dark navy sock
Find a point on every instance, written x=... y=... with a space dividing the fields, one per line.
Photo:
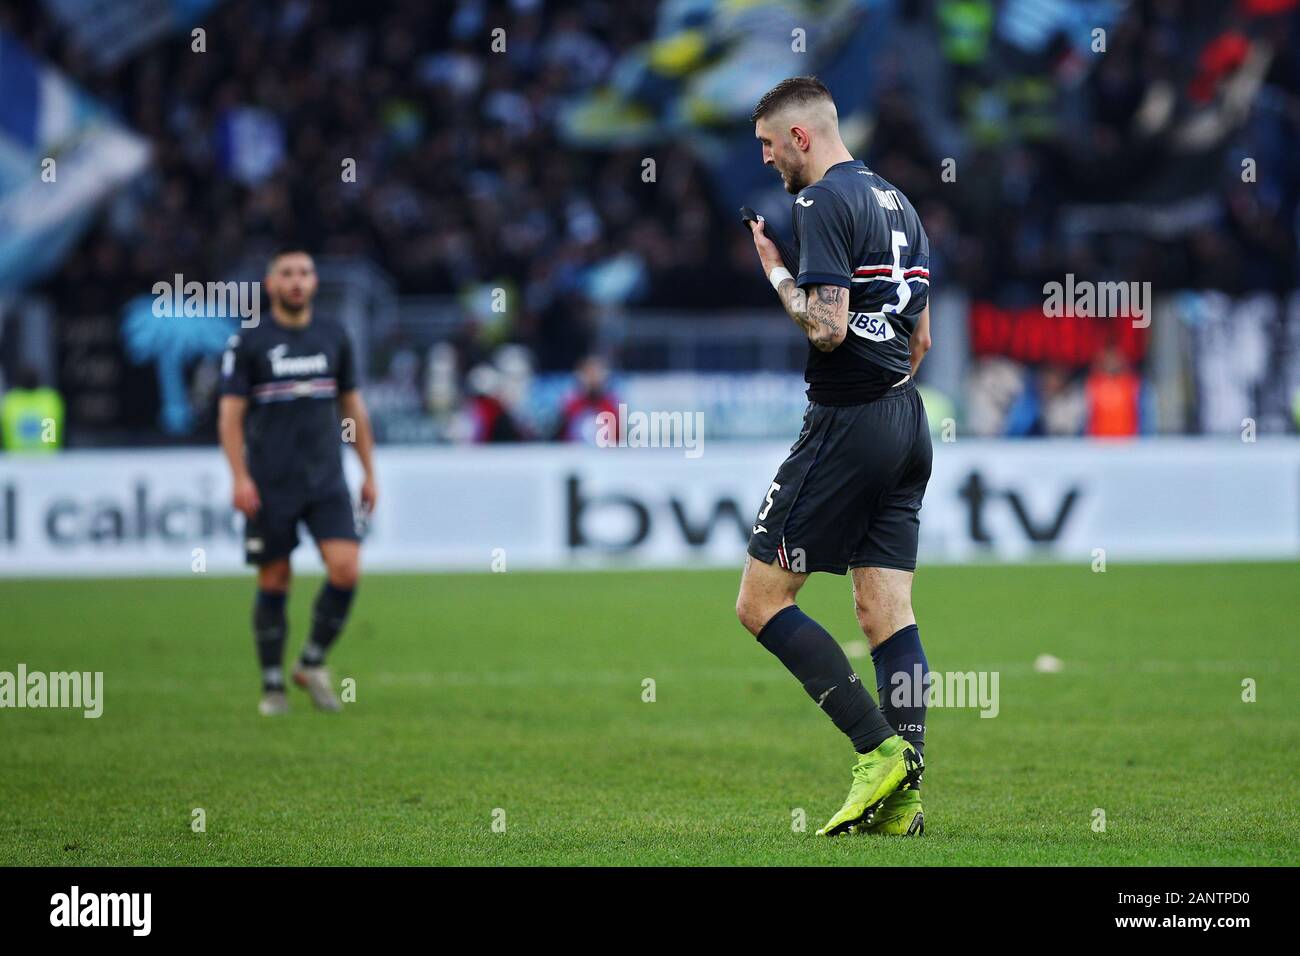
x=902 y=679
x=269 y=631
x=819 y=663
x=328 y=617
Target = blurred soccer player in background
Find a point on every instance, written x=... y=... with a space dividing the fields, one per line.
x=848 y=495
x=285 y=384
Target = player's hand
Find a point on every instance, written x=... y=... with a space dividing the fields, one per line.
x=369 y=495
x=767 y=252
x=246 y=498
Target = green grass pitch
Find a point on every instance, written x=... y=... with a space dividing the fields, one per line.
x=522 y=693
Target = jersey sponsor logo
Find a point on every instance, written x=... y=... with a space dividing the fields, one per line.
x=871 y=326
x=805 y=201
x=289 y=366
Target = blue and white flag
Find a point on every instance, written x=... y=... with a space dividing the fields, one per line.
x=107 y=32
x=61 y=155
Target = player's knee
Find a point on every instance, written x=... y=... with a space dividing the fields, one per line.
x=881 y=620
x=342 y=564
x=874 y=624
x=878 y=618
x=751 y=617
x=754 y=612
x=745 y=611
x=344 y=573
x=866 y=616
x=274 y=576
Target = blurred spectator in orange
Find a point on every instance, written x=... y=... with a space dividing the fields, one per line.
x=1114 y=393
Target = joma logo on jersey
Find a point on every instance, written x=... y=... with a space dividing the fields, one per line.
x=287 y=366
x=869 y=326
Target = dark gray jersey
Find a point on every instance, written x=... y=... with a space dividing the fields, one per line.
x=855 y=230
x=292 y=379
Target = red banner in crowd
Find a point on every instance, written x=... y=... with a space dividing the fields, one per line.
x=1027 y=335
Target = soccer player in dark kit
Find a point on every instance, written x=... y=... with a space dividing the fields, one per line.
x=289 y=400
x=847 y=498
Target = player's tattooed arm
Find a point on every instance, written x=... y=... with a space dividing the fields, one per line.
x=822 y=312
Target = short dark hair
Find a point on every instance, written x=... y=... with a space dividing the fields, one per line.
x=289 y=249
x=796 y=89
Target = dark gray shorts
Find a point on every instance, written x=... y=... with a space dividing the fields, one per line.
x=273 y=532
x=849 y=494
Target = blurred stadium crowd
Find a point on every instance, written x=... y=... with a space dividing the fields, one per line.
x=1168 y=158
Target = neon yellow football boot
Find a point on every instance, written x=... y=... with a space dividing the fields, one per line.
x=899 y=815
x=892 y=766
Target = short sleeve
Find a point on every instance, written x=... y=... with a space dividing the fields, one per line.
x=346 y=377
x=823 y=227
x=236 y=368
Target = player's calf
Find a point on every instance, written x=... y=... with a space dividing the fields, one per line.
x=334 y=601
x=270 y=629
x=766 y=607
x=902 y=682
x=329 y=615
x=883 y=601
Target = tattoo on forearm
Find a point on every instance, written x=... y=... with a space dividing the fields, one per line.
x=817 y=315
